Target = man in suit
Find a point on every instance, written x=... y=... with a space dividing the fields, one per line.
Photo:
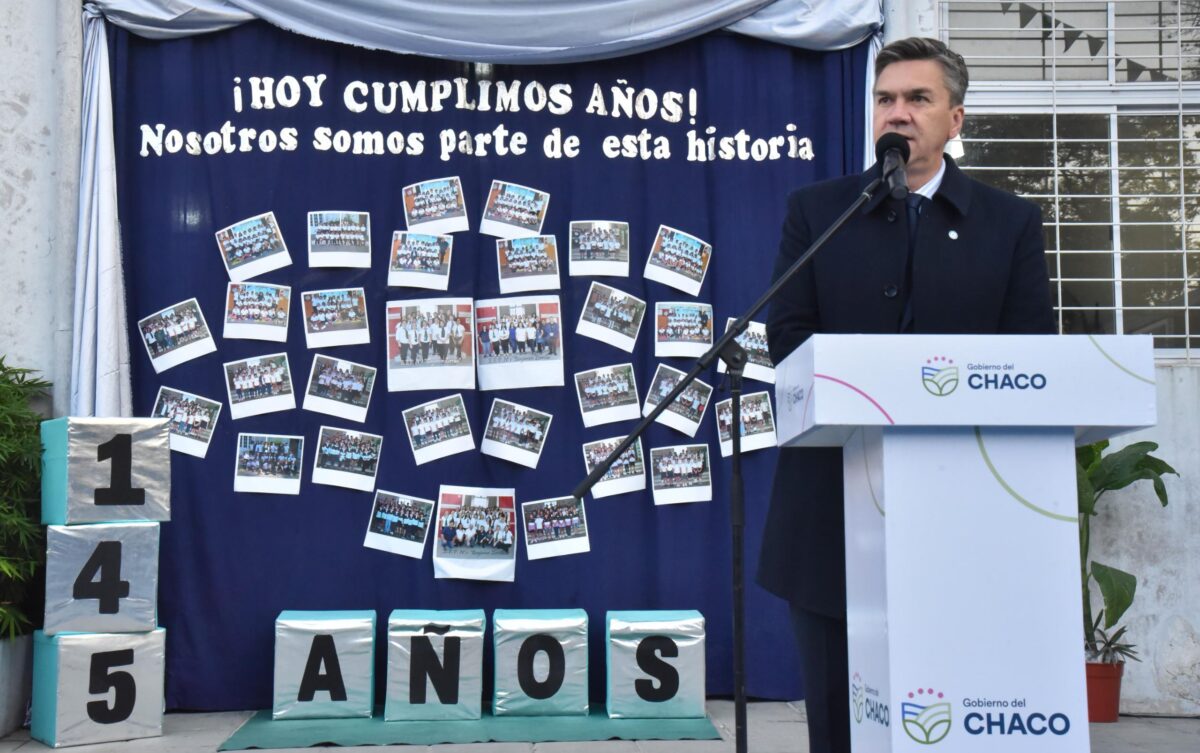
x=957 y=257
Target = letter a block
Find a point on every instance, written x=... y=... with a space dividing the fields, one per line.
x=324 y=665
x=97 y=687
x=105 y=470
x=541 y=662
x=102 y=578
x=435 y=665
x=655 y=664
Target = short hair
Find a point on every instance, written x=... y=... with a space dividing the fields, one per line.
x=954 y=68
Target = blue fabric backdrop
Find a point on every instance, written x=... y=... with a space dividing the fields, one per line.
x=231 y=562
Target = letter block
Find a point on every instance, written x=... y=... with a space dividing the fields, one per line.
x=97 y=687
x=105 y=470
x=102 y=578
x=324 y=665
x=655 y=664
x=541 y=662
x=435 y=665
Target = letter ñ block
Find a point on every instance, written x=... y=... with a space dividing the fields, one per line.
x=435 y=665
x=97 y=687
x=102 y=578
x=541 y=662
x=655 y=664
x=105 y=470
x=324 y=665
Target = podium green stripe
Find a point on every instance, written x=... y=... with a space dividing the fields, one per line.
x=1012 y=492
x=1113 y=361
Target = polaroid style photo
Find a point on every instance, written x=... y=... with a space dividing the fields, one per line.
x=520 y=342
x=438 y=428
x=678 y=259
x=513 y=211
x=607 y=394
x=175 y=335
x=599 y=248
x=754 y=340
x=686 y=411
x=682 y=329
x=420 y=261
x=526 y=264
x=268 y=463
x=399 y=524
x=339 y=388
x=758 y=423
x=430 y=344
x=259 y=385
x=681 y=474
x=335 y=317
x=611 y=316
x=257 y=311
x=347 y=458
x=191 y=419
x=476 y=533
x=626 y=474
x=252 y=247
x=554 y=527
x=515 y=433
x=436 y=207
x=339 y=239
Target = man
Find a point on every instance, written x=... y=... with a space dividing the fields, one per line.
x=975 y=264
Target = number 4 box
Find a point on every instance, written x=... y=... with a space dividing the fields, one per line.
x=97 y=687
x=105 y=470
x=102 y=578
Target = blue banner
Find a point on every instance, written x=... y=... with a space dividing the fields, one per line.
x=706 y=137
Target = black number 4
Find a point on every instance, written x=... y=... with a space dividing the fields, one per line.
x=101 y=679
x=120 y=490
x=100 y=578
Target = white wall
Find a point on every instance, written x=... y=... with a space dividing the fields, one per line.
x=40 y=54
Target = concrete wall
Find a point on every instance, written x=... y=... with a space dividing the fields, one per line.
x=40 y=55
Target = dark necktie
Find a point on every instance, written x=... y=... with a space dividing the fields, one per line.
x=915 y=203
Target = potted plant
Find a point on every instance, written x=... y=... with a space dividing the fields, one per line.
x=1104 y=642
x=21 y=539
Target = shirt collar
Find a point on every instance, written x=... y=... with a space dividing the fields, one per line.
x=933 y=184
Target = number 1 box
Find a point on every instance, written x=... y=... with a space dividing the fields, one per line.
x=105 y=470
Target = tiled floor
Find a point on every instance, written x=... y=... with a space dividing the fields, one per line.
x=774 y=728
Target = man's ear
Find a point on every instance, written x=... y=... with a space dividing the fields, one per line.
x=956 y=120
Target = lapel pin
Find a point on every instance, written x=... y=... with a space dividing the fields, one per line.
x=953 y=235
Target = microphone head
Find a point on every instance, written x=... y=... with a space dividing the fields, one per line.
x=892 y=140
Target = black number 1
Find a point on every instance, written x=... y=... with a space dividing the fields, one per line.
x=120 y=491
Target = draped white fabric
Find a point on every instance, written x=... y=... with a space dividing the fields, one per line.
x=100 y=383
x=497 y=31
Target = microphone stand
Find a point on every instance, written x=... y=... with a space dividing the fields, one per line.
x=728 y=350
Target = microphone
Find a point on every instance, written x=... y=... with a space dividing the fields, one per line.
x=892 y=150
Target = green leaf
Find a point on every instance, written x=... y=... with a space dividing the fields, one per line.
x=1087 y=493
x=1117 y=588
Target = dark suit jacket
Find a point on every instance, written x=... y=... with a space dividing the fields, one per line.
x=979 y=267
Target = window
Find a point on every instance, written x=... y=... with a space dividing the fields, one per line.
x=1092 y=110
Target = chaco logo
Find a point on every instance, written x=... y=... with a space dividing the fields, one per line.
x=926 y=716
x=858 y=697
x=939 y=375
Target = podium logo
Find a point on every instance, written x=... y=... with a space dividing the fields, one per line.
x=926 y=716
x=939 y=375
x=858 y=697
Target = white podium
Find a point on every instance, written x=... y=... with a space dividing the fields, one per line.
x=962 y=551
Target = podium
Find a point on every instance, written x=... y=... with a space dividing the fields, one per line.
x=963 y=598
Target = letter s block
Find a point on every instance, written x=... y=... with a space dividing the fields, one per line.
x=324 y=665
x=655 y=664
x=541 y=662
x=435 y=665
x=105 y=470
x=97 y=687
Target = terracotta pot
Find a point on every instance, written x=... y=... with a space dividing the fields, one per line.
x=1104 y=691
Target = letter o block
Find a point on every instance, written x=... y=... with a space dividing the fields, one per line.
x=105 y=470
x=97 y=687
x=435 y=665
x=324 y=665
x=541 y=662
x=102 y=578
x=655 y=664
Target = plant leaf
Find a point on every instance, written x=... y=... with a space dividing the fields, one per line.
x=1117 y=588
x=1087 y=492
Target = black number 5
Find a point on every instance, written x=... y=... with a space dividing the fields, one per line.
x=101 y=680
x=120 y=490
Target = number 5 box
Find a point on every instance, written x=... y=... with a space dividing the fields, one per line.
x=105 y=470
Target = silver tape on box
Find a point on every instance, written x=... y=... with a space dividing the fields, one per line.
x=448 y=634
x=298 y=635
x=108 y=552
x=150 y=469
x=541 y=662
x=634 y=692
